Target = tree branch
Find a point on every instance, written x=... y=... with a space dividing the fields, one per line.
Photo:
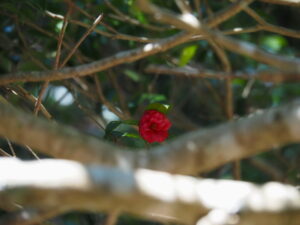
x=50 y=183
x=188 y=71
x=97 y=66
x=283 y=2
x=194 y=152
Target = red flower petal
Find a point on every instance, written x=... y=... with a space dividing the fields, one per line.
x=154 y=126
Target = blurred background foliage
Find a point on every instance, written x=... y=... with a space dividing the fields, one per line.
x=28 y=42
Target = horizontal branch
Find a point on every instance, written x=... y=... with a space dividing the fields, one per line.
x=187 y=71
x=191 y=153
x=283 y=2
x=49 y=183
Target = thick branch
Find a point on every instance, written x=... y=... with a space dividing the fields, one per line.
x=194 y=152
x=50 y=183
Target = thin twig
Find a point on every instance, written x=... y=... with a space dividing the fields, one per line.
x=119 y=91
x=264 y=25
x=57 y=59
x=32 y=152
x=105 y=101
x=90 y=115
x=197 y=5
x=267 y=168
x=115 y=35
x=26 y=95
x=11 y=147
x=112 y=217
x=4 y=153
x=133 y=21
x=96 y=22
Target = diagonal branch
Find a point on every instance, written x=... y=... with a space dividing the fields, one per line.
x=97 y=66
x=192 y=153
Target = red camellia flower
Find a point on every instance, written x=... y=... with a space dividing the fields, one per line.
x=154 y=126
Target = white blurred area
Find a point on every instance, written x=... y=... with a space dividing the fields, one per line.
x=108 y=116
x=62 y=95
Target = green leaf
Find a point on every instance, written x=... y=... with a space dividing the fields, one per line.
x=152 y=97
x=274 y=42
x=187 y=54
x=111 y=126
x=133 y=75
x=131 y=135
x=159 y=107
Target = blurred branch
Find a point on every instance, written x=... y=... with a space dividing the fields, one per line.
x=124 y=17
x=283 y=2
x=183 y=198
x=105 y=102
x=56 y=63
x=268 y=169
x=26 y=95
x=114 y=35
x=87 y=33
x=192 y=153
x=187 y=71
x=264 y=25
x=31 y=216
x=97 y=66
x=4 y=153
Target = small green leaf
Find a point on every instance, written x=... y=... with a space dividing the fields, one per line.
x=274 y=42
x=133 y=75
x=152 y=98
x=159 y=107
x=111 y=126
x=187 y=54
x=130 y=135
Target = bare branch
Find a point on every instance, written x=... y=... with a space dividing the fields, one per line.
x=95 y=23
x=283 y=2
x=194 y=152
x=270 y=27
x=97 y=66
x=187 y=71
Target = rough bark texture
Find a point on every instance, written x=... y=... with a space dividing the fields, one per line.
x=192 y=153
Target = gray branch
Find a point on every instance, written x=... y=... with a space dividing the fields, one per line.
x=194 y=152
